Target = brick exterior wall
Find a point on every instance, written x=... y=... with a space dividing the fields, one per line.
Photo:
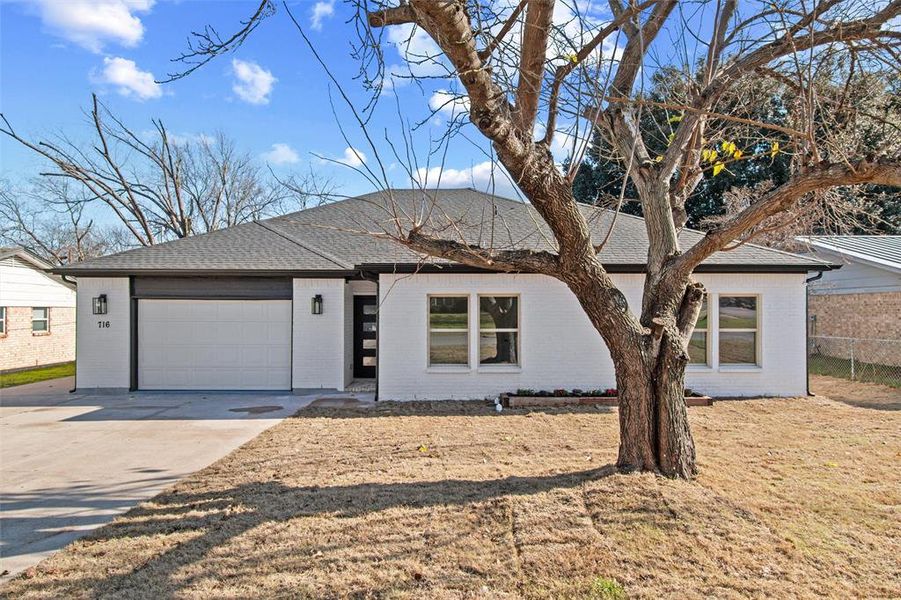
x=872 y=316
x=857 y=315
x=20 y=348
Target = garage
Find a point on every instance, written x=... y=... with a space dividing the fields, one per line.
x=214 y=344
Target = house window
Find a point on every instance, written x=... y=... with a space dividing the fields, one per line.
x=498 y=330
x=448 y=330
x=40 y=320
x=739 y=316
x=697 y=347
x=2 y=320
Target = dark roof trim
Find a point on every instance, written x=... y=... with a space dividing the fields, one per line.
x=614 y=268
x=407 y=268
x=336 y=274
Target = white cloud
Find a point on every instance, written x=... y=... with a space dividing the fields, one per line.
x=129 y=80
x=320 y=12
x=421 y=55
x=281 y=154
x=93 y=23
x=253 y=83
x=352 y=157
x=487 y=176
x=448 y=103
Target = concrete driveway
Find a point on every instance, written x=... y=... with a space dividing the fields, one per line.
x=70 y=462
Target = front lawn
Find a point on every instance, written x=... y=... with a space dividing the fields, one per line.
x=797 y=498
x=37 y=374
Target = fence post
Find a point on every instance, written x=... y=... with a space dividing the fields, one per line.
x=852 y=359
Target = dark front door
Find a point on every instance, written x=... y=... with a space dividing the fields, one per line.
x=365 y=333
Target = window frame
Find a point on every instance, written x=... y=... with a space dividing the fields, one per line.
x=45 y=320
x=708 y=335
x=758 y=355
x=429 y=330
x=517 y=330
x=3 y=321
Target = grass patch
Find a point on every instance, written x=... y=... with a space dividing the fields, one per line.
x=797 y=498
x=820 y=364
x=37 y=374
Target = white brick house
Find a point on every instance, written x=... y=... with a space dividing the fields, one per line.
x=37 y=313
x=309 y=301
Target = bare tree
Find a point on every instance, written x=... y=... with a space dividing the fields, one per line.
x=48 y=219
x=524 y=76
x=158 y=186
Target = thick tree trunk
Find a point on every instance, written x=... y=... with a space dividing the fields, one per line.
x=654 y=430
x=650 y=376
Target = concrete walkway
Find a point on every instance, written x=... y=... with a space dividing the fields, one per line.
x=70 y=462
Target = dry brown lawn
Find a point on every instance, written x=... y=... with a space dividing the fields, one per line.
x=796 y=498
x=855 y=393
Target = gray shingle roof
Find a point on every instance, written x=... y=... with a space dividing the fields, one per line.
x=339 y=237
x=883 y=250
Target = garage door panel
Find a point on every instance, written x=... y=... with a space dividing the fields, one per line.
x=214 y=344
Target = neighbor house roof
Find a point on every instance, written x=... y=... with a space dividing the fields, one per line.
x=349 y=235
x=33 y=261
x=37 y=261
x=877 y=250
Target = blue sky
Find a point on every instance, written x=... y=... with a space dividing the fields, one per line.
x=270 y=96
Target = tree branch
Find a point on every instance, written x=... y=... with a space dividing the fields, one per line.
x=820 y=177
x=532 y=57
x=507 y=261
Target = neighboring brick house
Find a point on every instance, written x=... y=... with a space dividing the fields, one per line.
x=37 y=313
x=862 y=299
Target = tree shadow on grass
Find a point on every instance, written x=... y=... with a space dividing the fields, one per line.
x=212 y=519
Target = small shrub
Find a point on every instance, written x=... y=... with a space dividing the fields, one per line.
x=577 y=392
x=561 y=393
x=611 y=392
x=542 y=393
x=603 y=588
x=525 y=392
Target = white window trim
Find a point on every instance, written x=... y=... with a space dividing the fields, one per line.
x=501 y=367
x=447 y=367
x=757 y=331
x=45 y=319
x=707 y=365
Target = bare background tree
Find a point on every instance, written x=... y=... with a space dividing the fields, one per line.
x=151 y=185
x=525 y=75
x=47 y=217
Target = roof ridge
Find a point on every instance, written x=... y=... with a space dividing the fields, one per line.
x=306 y=246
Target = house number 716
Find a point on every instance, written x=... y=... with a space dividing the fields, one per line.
x=103 y=324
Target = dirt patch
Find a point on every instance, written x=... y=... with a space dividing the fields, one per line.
x=255 y=410
x=796 y=498
x=335 y=403
x=855 y=393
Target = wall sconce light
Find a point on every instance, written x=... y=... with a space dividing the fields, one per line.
x=99 y=304
x=316 y=305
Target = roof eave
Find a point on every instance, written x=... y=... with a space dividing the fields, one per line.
x=298 y=273
x=610 y=268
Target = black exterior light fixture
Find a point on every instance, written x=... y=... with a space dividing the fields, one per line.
x=316 y=305
x=99 y=304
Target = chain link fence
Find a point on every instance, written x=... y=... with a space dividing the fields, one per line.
x=856 y=359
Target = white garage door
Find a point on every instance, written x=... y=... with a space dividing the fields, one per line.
x=214 y=344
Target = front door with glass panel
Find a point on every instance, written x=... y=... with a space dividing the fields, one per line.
x=365 y=332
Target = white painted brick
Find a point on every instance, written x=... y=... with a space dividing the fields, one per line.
x=560 y=348
x=319 y=340
x=103 y=355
